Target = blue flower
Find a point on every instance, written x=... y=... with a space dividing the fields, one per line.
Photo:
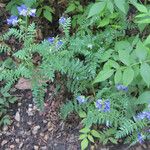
x=25 y=11
x=59 y=43
x=143 y=115
x=98 y=104
x=107 y=106
x=22 y=10
x=62 y=20
x=121 y=87
x=32 y=12
x=140 y=138
x=81 y=99
x=51 y=40
x=13 y=20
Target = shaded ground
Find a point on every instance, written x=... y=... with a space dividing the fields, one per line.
x=34 y=130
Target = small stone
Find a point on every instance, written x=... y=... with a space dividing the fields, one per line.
x=3 y=142
x=30 y=105
x=44 y=121
x=44 y=148
x=46 y=137
x=19 y=104
x=17 y=116
x=17 y=140
x=30 y=112
x=12 y=146
x=35 y=129
x=5 y=128
x=36 y=147
x=29 y=123
x=20 y=145
x=42 y=134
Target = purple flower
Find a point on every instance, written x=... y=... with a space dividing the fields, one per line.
x=106 y=106
x=51 y=40
x=81 y=99
x=98 y=104
x=62 y=20
x=140 y=138
x=12 y=20
x=24 y=11
x=121 y=87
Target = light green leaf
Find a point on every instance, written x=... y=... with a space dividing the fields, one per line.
x=82 y=136
x=121 y=5
x=82 y=114
x=141 y=51
x=96 y=9
x=145 y=73
x=124 y=57
x=103 y=75
x=113 y=140
x=85 y=130
x=111 y=64
x=144 y=21
x=70 y=8
x=147 y=41
x=91 y=138
x=110 y=6
x=118 y=76
x=48 y=15
x=104 y=22
x=95 y=133
x=144 y=98
x=84 y=144
x=141 y=8
x=128 y=76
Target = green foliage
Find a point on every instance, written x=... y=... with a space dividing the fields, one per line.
x=100 y=61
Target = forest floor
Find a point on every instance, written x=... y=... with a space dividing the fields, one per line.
x=34 y=130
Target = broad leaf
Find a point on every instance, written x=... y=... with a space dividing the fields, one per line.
x=48 y=15
x=103 y=75
x=97 y=8
x=141 y=8
x=124 y=57
x=118 y=76
x=84 y=144
x=144 y=98
x=145 y=73
x=95 y=133
x=85 y=130
x=128 y=76
x=141 y=51
x=121 y=5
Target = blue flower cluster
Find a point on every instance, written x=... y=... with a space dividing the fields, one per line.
x=144 y=115
x=103 y=106
x=81 y=99
x=121 y=87
x=62 y=20
x=23 y=11
x=13 y=20
x=51 y=40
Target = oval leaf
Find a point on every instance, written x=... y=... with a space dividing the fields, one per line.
x=84 y=144
x=118 y=76
x=103 y=75
x=128 y=76
x=145 y=73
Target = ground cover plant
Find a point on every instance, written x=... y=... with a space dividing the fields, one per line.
x=103 y=65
